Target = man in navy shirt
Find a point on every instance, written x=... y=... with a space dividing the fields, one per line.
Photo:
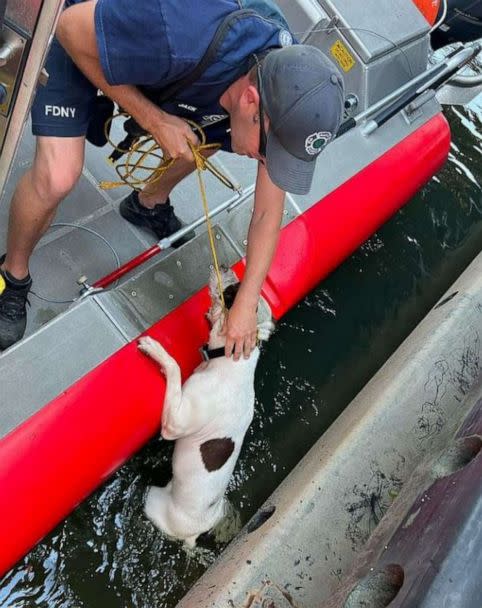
x=263 y=97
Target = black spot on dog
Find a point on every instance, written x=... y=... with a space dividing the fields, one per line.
x=230 y=293
x=215 y=452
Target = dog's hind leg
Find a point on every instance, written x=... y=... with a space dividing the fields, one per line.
x=174 y=414
x=191 y=541
x=156 y=507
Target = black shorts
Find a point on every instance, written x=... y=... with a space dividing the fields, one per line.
x=63 y=107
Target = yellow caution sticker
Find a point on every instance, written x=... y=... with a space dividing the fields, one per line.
x=2 y=284
x=343 y=56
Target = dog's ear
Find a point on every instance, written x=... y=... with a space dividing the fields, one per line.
x=265 y=320
x=230 y=293
x=213 y=284
x=265 y=330
x=228 y=278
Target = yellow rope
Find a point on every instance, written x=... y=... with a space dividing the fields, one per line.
x=146 y=148
x=200 y=167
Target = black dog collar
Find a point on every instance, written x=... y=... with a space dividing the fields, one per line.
x=207 y=354
x=213 y=353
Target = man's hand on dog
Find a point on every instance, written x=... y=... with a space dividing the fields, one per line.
x=240 y=329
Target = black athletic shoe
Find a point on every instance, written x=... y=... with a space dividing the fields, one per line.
x=13 y=314
x=161 y=219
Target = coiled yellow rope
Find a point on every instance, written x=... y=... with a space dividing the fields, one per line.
x=146 y=156
x=139 y=159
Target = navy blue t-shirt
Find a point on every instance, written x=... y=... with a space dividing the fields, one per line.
x=153 y=43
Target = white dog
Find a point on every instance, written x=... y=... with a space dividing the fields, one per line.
x=208 y=417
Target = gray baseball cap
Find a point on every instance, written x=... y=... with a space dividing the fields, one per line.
x=303 y=95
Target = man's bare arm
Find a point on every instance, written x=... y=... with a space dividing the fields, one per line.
x=76 y=33
x=262 y=240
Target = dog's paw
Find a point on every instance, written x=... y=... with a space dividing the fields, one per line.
x=147 y=345
x=153 y=349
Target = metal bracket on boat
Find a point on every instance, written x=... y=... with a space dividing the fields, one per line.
x=86 y=288
x=351 y=103
x=331 y=25
x=369 y=127
x=419 y=102
x=82 y=281
x=414 y=109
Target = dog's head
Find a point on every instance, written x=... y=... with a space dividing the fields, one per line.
x=230 y=283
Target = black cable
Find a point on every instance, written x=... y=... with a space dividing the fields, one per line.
x=90 y=231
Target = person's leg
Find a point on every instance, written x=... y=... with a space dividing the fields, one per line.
x=55 y=171
x=158 y=193
x=61 y=113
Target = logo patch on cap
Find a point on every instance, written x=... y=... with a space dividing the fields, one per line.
x=285 y=38
x=315 y=142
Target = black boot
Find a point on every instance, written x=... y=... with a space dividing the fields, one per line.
x=161 y=219
x=13 y=314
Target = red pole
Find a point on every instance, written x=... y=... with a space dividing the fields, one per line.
x=128 y=266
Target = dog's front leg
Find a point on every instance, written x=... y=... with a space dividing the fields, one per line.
x=174 y=414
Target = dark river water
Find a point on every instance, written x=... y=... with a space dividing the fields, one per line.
x=107 y=555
